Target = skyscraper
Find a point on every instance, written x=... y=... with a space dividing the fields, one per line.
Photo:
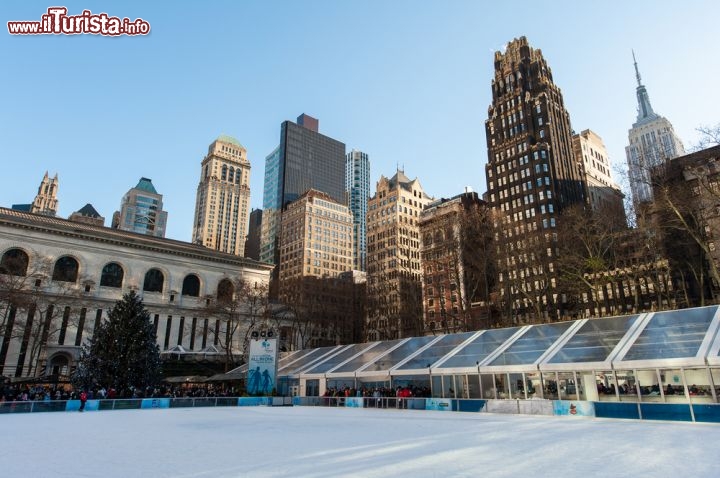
x=46 y=202
x=601 y=192
x=304 y=160
x=315 y=238
x=141 y=211
x=393 y=260
x=223 y=197
x=252 y=244
x=652 y=141
x=357 y=186
x=531 y=175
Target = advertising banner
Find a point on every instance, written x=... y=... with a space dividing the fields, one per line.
x=442 y=404
x=262 y=366
x=579 y=409
x=155 y=403
x=354 y=402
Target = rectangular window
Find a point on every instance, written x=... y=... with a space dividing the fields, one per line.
x=168 y=326
x=81 y=326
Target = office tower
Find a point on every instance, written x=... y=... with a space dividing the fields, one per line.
x=602 y=194
x=357 y=186
x=456 y=256
x=531 y=175
x=223 y=197
x=87 y=215
x=652 y=141
x=252 y=244
x=141 y=211
x=315 y=238
x=46 y=202
x=304 y=160
x=315 y=248
x=393 y=258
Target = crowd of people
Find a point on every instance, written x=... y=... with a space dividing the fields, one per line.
x=377 y=396
x=15 y=392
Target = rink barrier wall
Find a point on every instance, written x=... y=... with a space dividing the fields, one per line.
x=707 y=413
x=141 y=404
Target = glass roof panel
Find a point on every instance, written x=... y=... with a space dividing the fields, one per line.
x=401 y=353
x=477 y=350
x=672 y=334
x=532 y=344
x=303 y=362
x=437 y=351
x=595 y=340
x=287 y=357
x=367 y=356
x=339 y=358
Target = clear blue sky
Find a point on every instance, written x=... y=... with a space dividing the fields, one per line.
x=408 y=82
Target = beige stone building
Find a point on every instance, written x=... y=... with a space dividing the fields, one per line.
x=393 y=261
x=316 y=238
x=222 y=206
x=59 y=279
x=601 y=192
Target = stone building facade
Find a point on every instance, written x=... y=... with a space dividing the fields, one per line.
x=393 y=259
x=59 y=278
x=532 y=175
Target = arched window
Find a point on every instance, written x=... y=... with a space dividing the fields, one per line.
x=14 y=262
x=112 y=275
x=231 y=176
x=224 y=173
x=66 y=269
x=238 y=176
x=154 y=280
x=225 y=290
x=191 y=285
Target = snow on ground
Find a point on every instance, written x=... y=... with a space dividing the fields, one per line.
x=332 y=442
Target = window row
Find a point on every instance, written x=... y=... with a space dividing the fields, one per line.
x=16 y=261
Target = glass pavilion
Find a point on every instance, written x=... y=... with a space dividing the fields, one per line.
x=669 y=357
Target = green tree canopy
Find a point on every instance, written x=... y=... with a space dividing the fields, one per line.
x=123 y=353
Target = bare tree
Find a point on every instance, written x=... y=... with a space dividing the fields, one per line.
x=459 y=265
x=709 y=136
x=242 y=307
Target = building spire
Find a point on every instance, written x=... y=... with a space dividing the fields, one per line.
x=637 y=72
x=645 y=111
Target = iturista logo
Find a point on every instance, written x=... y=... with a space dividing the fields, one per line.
x=57 y=22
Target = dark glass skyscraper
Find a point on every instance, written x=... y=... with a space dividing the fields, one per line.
x=304 y=160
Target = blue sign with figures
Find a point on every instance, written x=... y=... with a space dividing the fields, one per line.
x=253 y=401
x=354 y=402
x=155 y=403
x=262 y=367
x=74 y=405
x=579 y=409
x=442 y=404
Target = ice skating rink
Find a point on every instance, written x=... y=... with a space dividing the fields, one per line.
x=332 y=442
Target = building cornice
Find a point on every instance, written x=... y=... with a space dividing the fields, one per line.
x=62 y=227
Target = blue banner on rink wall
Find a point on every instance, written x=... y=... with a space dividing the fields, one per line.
x=354 y=402
x=579 y=409
x=155 y=403
x=442 y=404
x=262 y=366
x=90 y=405
x=253 y=401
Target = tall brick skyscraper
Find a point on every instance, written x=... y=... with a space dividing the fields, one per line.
x=531 y=176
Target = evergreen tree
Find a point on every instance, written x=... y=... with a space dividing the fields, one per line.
x=123 y=353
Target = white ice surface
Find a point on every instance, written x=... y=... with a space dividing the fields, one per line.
x=332 y=442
